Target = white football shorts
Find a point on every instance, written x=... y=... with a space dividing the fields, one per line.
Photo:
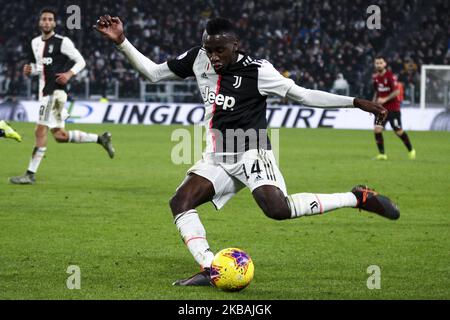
x=253 y=168
x=52 y=112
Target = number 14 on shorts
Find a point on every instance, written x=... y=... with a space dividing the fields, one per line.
x=255 y=168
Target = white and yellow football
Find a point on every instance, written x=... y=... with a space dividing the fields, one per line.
x=232 y=269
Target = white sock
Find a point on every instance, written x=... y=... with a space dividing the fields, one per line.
x=36 y=157
x=77 y=136
x=194 y=236
x=308 y=204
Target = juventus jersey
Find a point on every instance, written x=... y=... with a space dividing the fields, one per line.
x=235 y=100
x=49 y=57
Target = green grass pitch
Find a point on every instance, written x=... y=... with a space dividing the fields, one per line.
x=111 y=218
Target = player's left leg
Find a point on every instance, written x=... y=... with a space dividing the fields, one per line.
x=58 y=118
x=77 y=136
x=396 y=124
x=277 y=206
x=8 y=132
x=269 y=190
x=379 y=140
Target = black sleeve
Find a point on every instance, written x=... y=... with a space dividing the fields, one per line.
x=182 y=66
x=30 y=55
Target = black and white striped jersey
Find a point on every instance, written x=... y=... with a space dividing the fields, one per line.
x=235 y=99
x=49 y=57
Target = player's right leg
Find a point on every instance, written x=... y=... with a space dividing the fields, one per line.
x=193 y=192
x=378 y=131
x=8 y=132
x=37 y=155
x=205 y=182
x=44 y=122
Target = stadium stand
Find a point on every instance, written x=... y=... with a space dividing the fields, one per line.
x=310 y=41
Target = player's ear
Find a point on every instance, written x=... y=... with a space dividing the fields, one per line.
x=235 y=45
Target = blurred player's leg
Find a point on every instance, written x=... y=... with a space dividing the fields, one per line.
x=396 y=124
x=77 y=136
x=380 y=143
x=412 y=154
x=405 y=138
x=36 y=157
x=8 y=132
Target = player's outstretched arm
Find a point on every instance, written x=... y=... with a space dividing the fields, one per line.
x=373 y=107
x=271 y=82
x=112 y=29
x=322 y=99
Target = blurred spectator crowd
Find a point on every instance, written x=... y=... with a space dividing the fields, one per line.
x=323 y=45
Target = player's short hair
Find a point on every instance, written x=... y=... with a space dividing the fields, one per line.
x=48 y=10
x=219 y=25
x=380 y=56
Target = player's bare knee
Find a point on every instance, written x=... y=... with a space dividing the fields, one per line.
x=399 y=132
x=272 y=202
x=179 y=203
x=378 y=129
x=60 y=136
x=277 y=213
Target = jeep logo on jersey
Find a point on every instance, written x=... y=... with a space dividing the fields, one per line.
x=226 y=102
x=47 y=60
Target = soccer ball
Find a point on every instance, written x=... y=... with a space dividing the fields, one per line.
x=232 y=269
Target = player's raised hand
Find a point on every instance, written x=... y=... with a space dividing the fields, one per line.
x=111 y=28
x=373 y=107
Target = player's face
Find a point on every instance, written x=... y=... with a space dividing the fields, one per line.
x=380 y=65
x=47 y=22
x=221 y=50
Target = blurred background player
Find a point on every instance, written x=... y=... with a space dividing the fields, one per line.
x=7 y=132
x=50 y=55
x=388 y=93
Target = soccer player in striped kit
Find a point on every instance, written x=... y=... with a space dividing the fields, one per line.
x=235 y=87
